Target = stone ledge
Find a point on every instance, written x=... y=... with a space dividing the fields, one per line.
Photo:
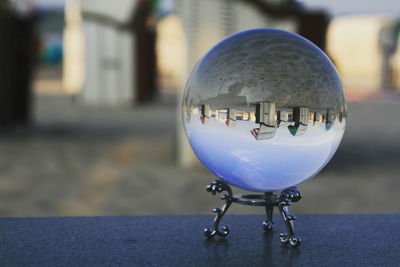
x=328 y=240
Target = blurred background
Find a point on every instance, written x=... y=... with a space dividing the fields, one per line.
x=90 y=92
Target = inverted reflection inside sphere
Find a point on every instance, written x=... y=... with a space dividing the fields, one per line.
x=264 y=110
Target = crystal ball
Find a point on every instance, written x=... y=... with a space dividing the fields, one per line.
x=264 y=110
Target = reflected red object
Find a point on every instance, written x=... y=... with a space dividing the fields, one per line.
x=254 y=132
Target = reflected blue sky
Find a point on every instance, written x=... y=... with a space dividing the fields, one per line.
x=236 y=157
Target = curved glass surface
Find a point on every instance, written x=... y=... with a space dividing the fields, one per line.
x=264 y=110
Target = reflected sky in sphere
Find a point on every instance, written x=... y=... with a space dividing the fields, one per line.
x=264 y=110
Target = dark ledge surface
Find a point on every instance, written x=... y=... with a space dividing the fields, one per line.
x=327 y=240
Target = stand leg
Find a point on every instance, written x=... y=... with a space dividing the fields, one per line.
x=217 y=187
x=285 y=199
x=269 y=210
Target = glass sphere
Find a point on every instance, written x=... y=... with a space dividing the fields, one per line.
x=264 y=110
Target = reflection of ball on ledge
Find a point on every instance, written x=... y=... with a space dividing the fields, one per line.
x=264 y=110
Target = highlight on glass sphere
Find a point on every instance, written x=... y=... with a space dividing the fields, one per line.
x=264 y=110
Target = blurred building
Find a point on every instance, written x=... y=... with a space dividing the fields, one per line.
x=18 y=53
x=98 y=55
x=73 y=63
x=171 y=47
x=207 y=22
x=50 y=24
x=364 y=49
x=109 y=52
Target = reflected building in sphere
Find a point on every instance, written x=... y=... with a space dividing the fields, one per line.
x=268 y=118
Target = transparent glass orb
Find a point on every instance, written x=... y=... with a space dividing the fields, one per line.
x=264 y=110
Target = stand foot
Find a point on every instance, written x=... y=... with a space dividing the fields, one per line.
x=269 y=210
x=293 y=241
x=217 y=187
x=285 y=199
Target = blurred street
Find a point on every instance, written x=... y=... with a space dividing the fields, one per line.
x=76 y=160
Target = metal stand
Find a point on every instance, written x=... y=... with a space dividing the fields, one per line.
x=268 y=200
